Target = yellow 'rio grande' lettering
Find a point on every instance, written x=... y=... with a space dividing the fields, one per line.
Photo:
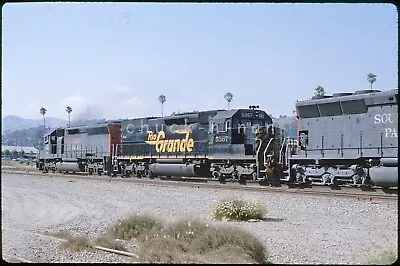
x=170 y=145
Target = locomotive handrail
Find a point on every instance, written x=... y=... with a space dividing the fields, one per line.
x=362 y=143
x=341 y=145
x=257 y=155
x=352 y=148
x=266 y=149
x=280 y=150
x=288 y=142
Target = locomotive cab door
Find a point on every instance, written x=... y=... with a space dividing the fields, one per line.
x=238 y=132
x=249 y=139
x=60 y=146
x=53 y=142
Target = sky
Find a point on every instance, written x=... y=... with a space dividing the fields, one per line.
x=113 y=60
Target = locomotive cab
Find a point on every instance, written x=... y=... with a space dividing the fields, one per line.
x=233 y=131
x=347 y=138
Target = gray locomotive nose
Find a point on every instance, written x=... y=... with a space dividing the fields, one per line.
x=348 y=138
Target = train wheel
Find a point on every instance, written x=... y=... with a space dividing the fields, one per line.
x=216 y=175
x=307 y=183
x=242 y=179
x=149 y=174
x=334 y=183
x=254 y=175
x=235 y=175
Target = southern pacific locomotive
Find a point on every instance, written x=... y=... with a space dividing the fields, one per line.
x=346 y=138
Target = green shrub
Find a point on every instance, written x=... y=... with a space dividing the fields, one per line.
x=134 y=226
x=197 y=242
x=186 y=230
x=182 y=230
x=187 y=242
x=233 y=239
x=238 y=210
x=167 y=250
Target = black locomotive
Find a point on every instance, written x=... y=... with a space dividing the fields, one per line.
x=216 y=143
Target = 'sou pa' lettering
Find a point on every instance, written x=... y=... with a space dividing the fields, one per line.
x=390 y=133
x=385 y=118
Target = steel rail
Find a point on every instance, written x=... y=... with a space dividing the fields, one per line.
x=230 y=185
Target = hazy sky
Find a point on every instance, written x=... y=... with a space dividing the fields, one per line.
x=111 y=61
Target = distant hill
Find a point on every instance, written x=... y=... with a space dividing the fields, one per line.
x=12 y=123
x=17 y=131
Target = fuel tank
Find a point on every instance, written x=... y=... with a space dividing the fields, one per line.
x=384 y=176
x=391 y=162
x=170 y=160
x=173 y=169
x=70 y=167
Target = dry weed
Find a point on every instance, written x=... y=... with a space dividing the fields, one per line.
x=134 y=226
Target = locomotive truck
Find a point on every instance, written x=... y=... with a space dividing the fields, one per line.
x=345 y=138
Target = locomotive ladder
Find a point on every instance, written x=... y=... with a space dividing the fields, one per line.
x=262 y=164
x=114 y=158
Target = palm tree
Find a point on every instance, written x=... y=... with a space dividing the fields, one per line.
x=162 y=100
x=69 y=110
x=43 y=111
x=371 y=77
x=228 y=97
x=319 y=91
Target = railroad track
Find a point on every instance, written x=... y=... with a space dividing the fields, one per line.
x=370 y=194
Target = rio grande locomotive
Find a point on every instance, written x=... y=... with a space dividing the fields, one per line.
x=346 y=138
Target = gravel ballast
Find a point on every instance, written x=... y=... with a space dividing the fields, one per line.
x=298 y=229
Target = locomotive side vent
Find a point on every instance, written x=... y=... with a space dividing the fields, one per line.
x=365 y=91
x=316 y=97
x=340 y=94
